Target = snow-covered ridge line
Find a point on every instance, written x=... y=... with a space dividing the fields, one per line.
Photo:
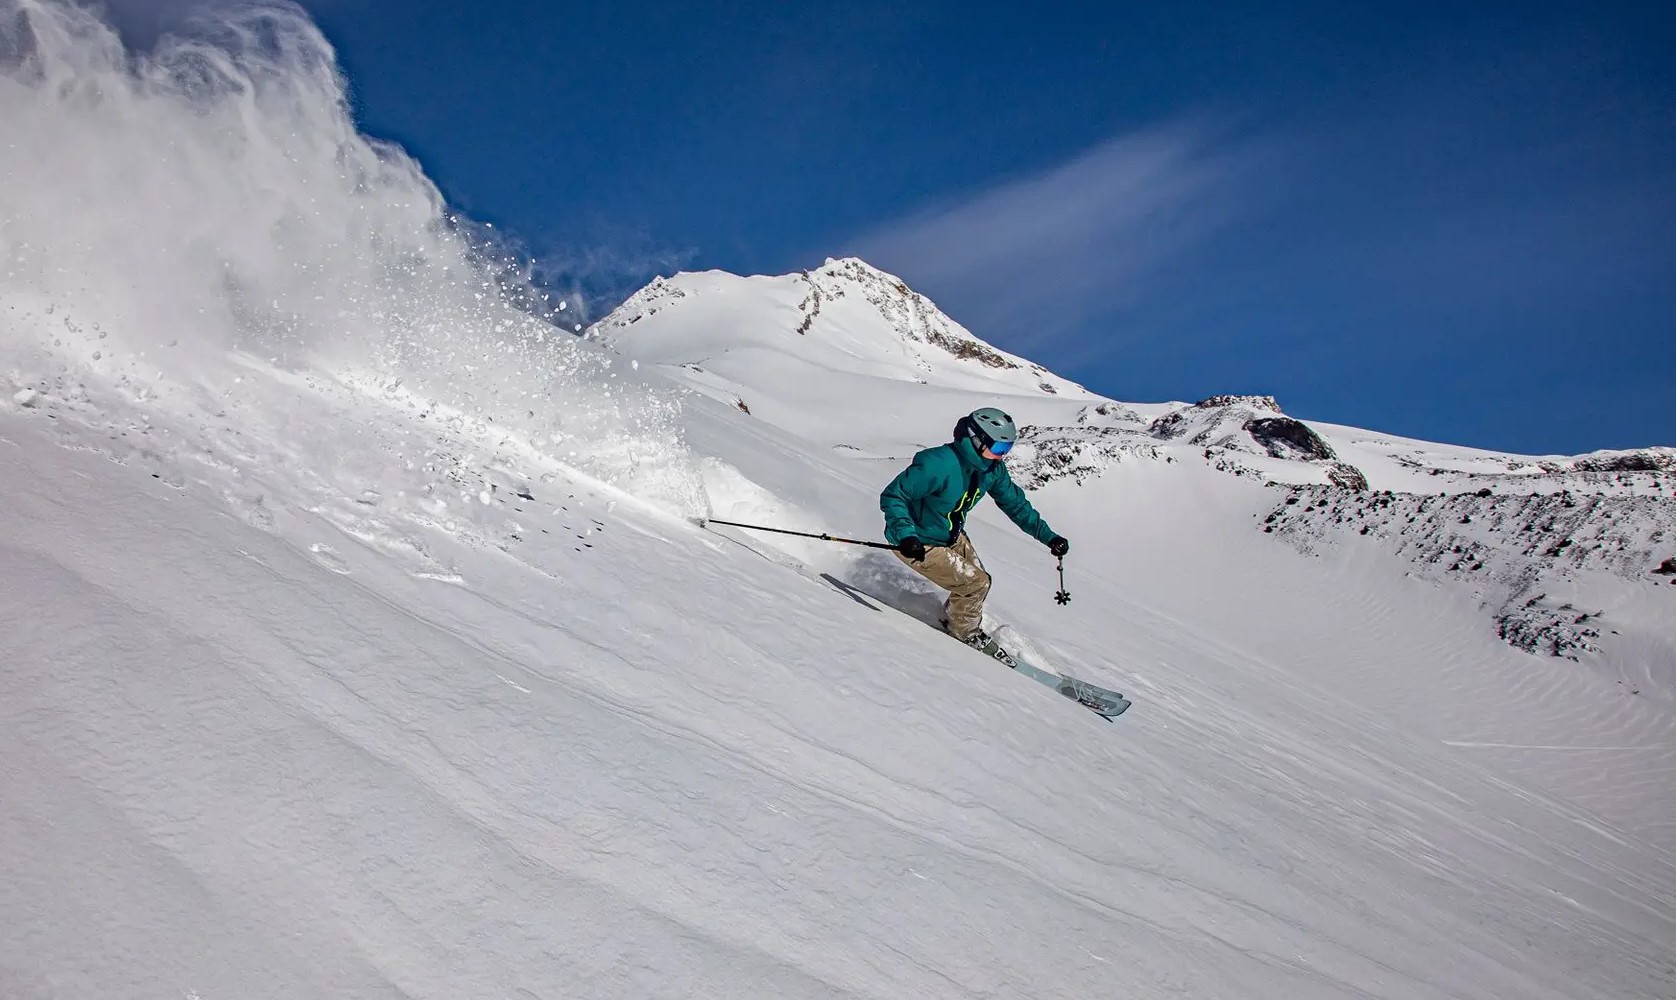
x=773 y=309
x=1631 y=460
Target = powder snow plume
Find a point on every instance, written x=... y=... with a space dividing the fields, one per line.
x=199 y=231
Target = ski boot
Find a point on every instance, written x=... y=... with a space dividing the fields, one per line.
x=984 y=643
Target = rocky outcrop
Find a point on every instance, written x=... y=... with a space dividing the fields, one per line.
x=658 y=294
x=1109 y=413
x=1509 y=550
x=1644 y=460
x=1253 y=425
x=1046 y=454
x=810 y=307
x=1284 y=437
x=971 y=350
x=1206 y=419
x=911 y=314
x=1538 y=625
x=1235 y=399
x=1347 y=477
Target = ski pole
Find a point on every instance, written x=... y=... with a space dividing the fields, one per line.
x=804 y=534
x=1063 y=596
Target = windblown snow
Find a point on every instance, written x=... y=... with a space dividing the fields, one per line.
x=360 y=638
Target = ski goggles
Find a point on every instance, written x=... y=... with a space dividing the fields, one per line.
x=999 y=448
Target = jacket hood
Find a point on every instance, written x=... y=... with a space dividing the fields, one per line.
x=970 y=458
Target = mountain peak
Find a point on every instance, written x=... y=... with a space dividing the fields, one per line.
x=846 y=315
x=859 y=270
x=1232 y=400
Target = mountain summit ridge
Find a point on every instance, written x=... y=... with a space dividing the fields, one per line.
x=849 y=305
x=846 y=304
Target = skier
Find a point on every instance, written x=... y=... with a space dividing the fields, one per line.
x=925 y=510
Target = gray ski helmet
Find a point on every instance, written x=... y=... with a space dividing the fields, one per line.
x=988 y=425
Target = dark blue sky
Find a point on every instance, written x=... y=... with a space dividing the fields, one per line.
x=1455 y=222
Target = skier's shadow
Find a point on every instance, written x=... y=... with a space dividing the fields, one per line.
x=887 y=581
x=876 y=576
x=850 y=592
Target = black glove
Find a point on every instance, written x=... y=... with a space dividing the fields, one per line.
x=913 y=548
x=1059 y=546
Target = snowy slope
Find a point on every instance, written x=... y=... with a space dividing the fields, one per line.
x=614 y=770
x=359 y=639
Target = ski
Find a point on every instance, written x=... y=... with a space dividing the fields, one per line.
x=1102 y=702
x=1105 y=703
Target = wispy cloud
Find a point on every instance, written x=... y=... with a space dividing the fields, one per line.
x=595 y=278
x=1035 y=255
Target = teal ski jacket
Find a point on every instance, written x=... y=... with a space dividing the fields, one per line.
x=930 y=499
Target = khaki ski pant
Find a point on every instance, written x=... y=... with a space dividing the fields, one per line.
x=956 y=569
